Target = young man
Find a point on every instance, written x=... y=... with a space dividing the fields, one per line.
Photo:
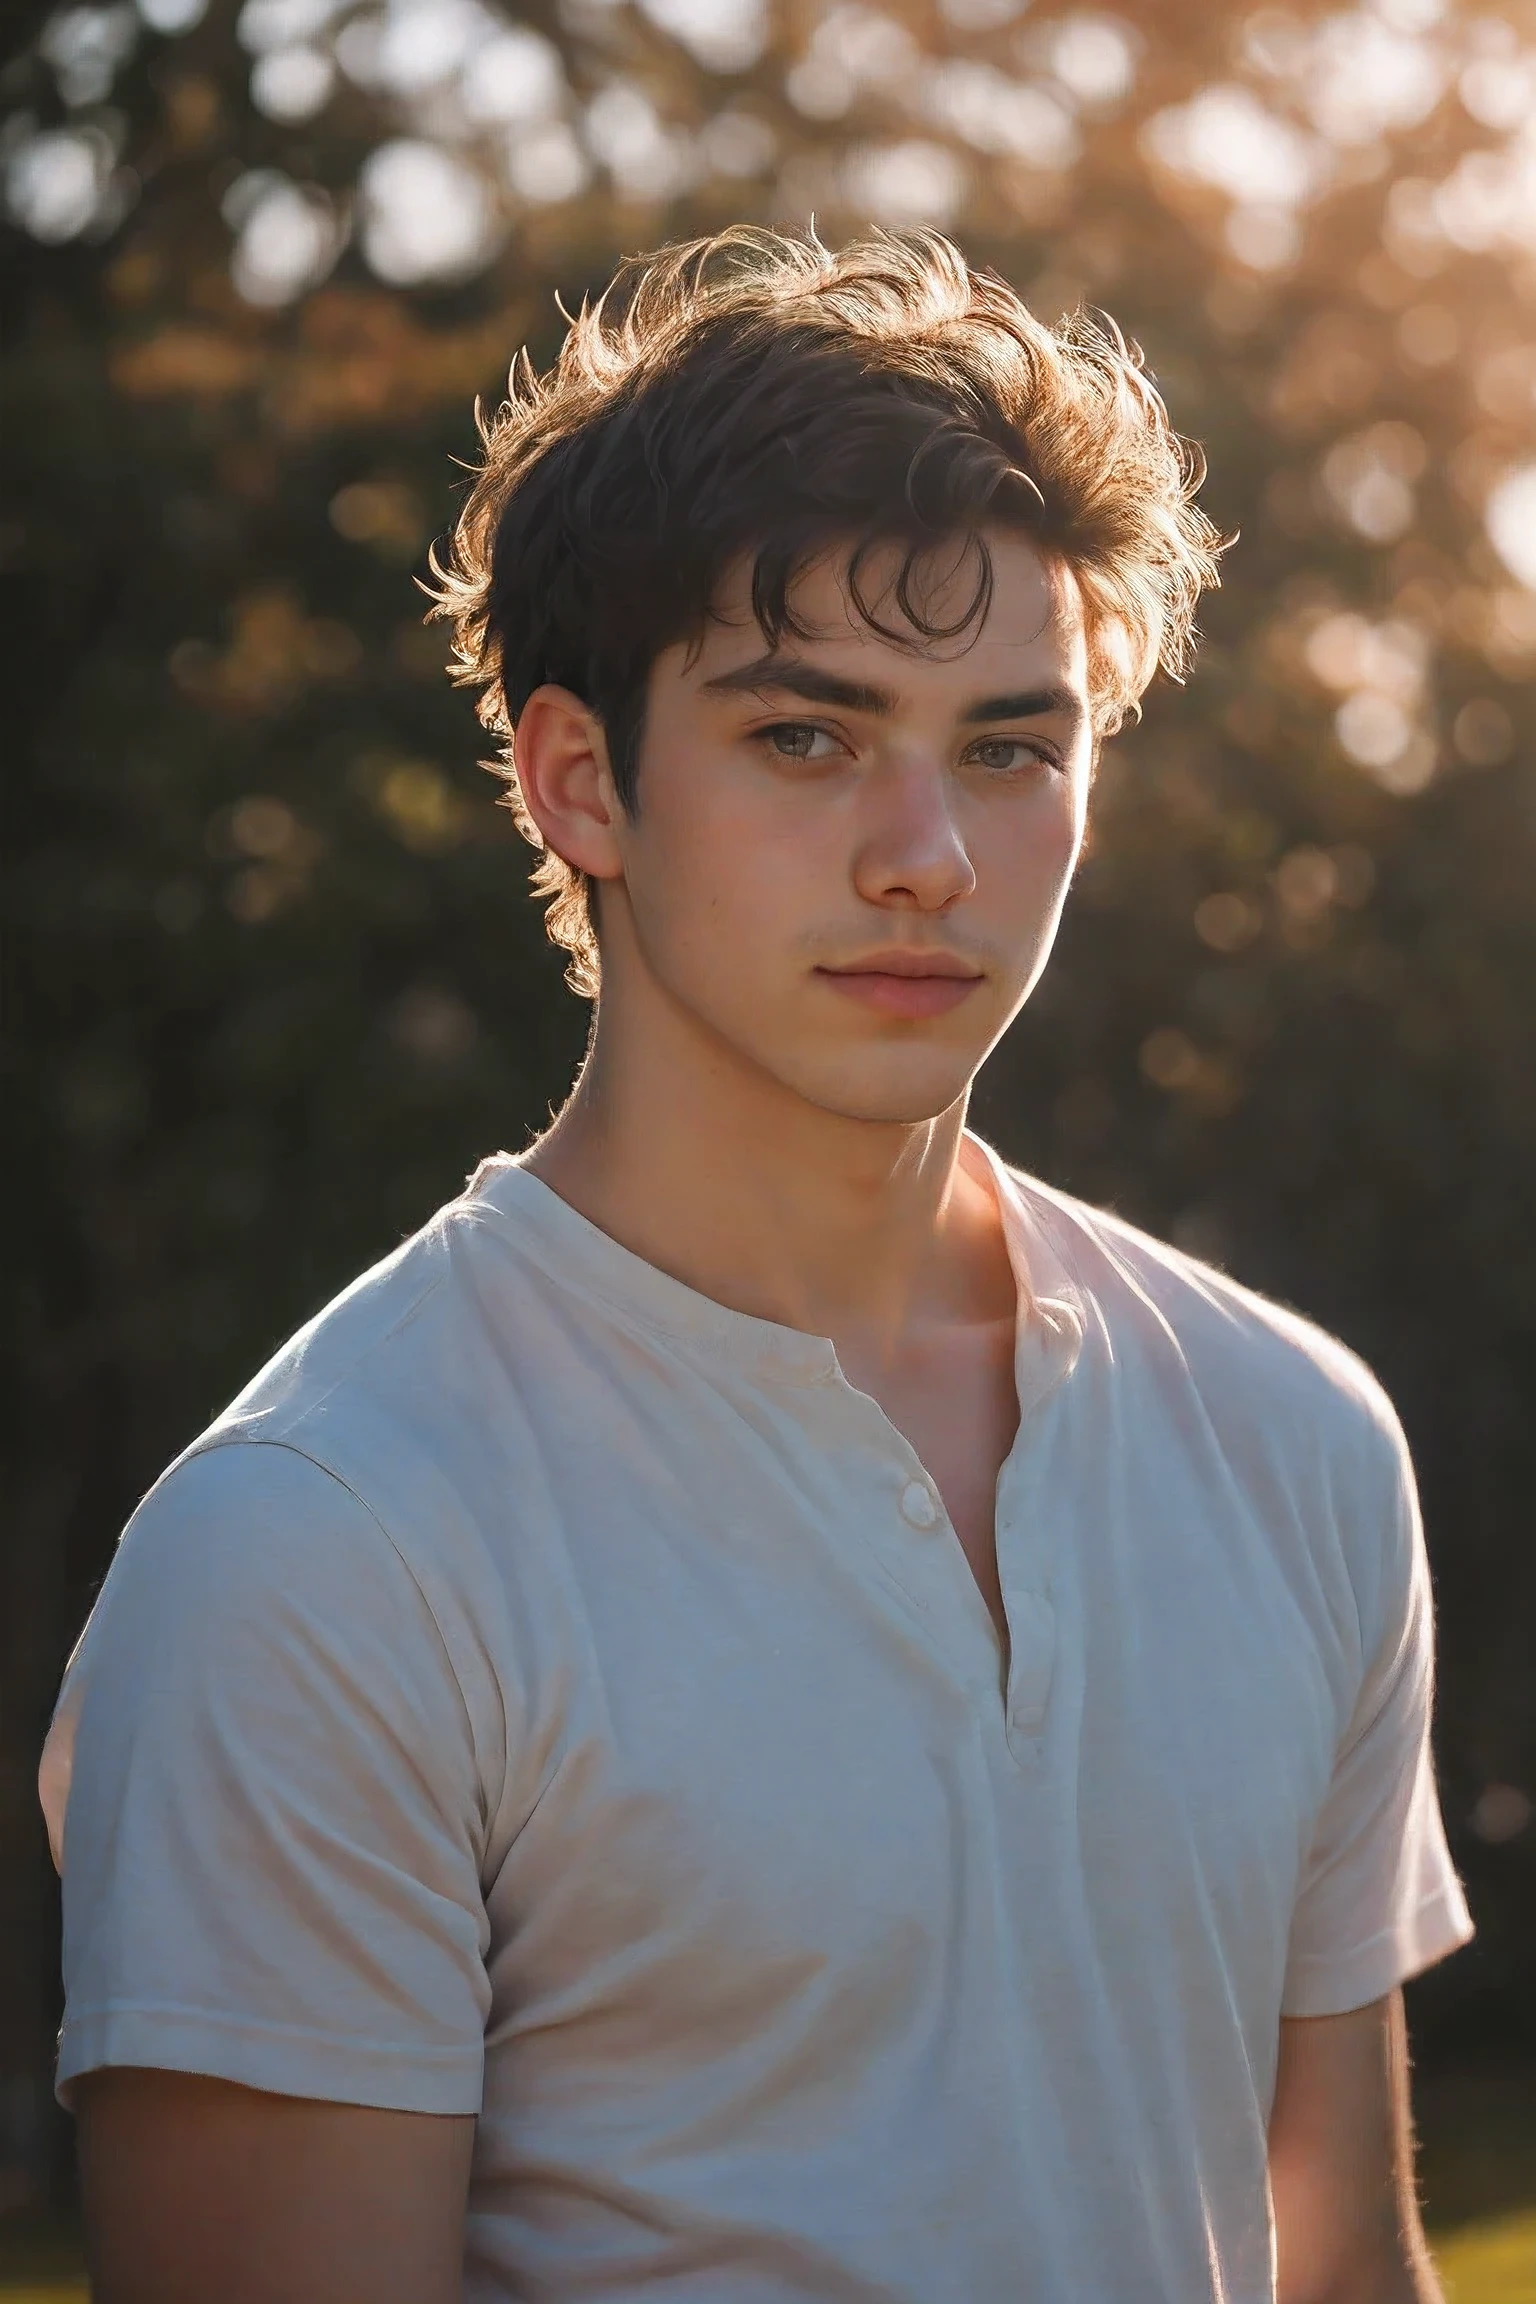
x=771 y=1709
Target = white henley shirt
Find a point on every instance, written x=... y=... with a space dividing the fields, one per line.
x=547 y=1694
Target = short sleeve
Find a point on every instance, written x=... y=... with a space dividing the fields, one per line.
x=1379 y=1899
x=262 y=1785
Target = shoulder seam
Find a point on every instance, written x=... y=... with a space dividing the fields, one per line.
x=216 y=1440
x=429 y=1288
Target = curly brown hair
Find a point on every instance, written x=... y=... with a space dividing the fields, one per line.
x=759 y=397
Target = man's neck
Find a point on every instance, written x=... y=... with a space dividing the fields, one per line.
x=707 y=1167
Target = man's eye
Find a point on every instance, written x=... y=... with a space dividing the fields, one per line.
x=799 y=740
x=1004 y=754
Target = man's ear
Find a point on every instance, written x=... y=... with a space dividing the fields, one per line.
x=566 y=780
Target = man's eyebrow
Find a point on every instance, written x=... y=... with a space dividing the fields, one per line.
x=794 y=677
x=1026 y=704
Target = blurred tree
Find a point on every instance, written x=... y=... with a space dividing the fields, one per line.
x=272 y=983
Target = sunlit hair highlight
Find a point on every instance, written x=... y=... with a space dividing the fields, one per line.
x=758 y=397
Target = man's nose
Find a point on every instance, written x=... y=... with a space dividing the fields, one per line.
x=913 y=853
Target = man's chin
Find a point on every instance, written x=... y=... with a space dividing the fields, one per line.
x=902 y=1095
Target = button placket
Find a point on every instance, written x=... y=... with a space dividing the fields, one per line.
x=1025 y=1556
x=1032 y=1661
x=936 y=1575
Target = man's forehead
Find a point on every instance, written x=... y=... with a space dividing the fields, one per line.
x=1031 y=611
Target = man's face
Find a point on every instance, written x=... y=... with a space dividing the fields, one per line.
x=849 y=858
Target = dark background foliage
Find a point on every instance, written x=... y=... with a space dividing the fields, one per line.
x=272 y=983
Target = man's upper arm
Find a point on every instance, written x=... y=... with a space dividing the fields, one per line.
x=1378 y=1899
x=200 y=2192
x=273 y=1837
x=1341 y=2162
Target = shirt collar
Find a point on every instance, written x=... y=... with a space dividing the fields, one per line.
x=575 y=1251
x=578 y=1253
x=1052 y=1322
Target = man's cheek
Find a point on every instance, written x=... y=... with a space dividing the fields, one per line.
x=1038 y=860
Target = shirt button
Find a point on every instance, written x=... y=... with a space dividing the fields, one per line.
x=918 y=1506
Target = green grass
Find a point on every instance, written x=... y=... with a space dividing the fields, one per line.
x=1478 y=2162
x=1487 y=2263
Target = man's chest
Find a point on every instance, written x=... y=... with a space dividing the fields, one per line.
x=768 y=1734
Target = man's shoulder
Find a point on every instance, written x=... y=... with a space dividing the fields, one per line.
x=351 y=1345
x=398 y=1356
x=1237 y=1345
x=369 y=1436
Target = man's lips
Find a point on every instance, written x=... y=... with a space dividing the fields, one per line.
x=901 y=983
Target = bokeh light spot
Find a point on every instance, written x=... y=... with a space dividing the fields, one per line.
x=422 y=43
x=55 y=182
x=266 y=24
x=262 y=826
x=1094 y=57
x=383 y=513
x=738 y=144
x=1228 y=921
x=1369 y=477
x=292 y=84
x=853 y=48
x=547 y=163
x=1226 y=138
x=434 y=1026
x=725 y=35
x=426 y=214
x=1501 y=1813
x=1483 y=732
x=1510 y=517
x=1017 y=119
x=907 y=183
x=1307 y=881
x=171 y=18
x=516 y=76
x=627 y=135
x=287 y=241
x=1265 y=239
x=1373 y=729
